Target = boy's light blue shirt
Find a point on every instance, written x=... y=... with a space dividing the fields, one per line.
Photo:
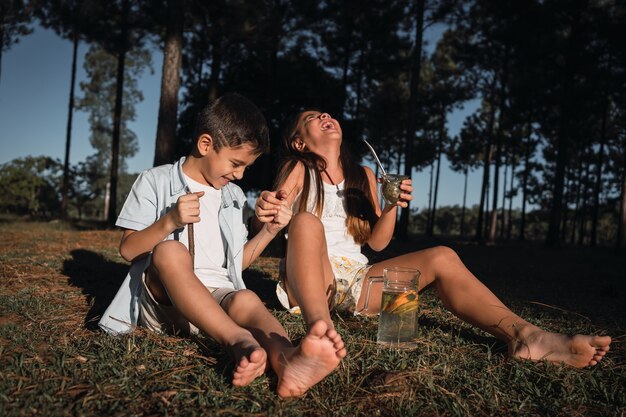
x=153 y=194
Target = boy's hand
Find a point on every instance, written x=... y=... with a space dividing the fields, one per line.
x=187 y=209
x=273 y=208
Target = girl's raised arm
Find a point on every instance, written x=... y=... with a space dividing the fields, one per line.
x=382 y=232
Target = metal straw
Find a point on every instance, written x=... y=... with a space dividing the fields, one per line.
x=375 y=156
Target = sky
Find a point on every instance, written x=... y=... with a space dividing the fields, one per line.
x=34 y=96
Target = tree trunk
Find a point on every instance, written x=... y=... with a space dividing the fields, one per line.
x=503 y=208
x=414 y=75
x=200 y=58
x=491 y=236
x=621 y=224
x=583 y=211
x=552 y=239
x=564 y=133
x=483 y=192
x=344 y=75
x=487 y=213
x=522 y=227
x=68 y=131
x=598 y=185
x=216 y=67
x=107 y=200
x=1 y=41
x=430 y=197
x=278 y=12
x=170 y=83
x=431 y=231
x=579 y=174
x=117 y=116
x=485 y=185
x=464 y=203
x=509 y=225
x=480 y=233
x=359 y=90
x=499 y=133
x=270 y=164
x=216 y=53
x=566 y=198
x=433 y=217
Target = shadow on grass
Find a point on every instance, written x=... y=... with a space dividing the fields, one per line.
x=430 y=324
x=90 y=225
x=264 y=286
x=99 y=279
x=485 y=342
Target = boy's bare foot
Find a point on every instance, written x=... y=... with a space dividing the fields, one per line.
x=251 y=360
x=578 y=351
x=318 y=354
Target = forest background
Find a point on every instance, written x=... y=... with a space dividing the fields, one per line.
x=541 y=152
x=546 y=80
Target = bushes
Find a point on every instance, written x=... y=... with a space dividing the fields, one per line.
x=577 y=227
x=32 y=186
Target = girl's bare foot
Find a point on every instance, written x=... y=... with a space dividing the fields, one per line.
x=578 y=351
x=318 y=354
x=250 y=358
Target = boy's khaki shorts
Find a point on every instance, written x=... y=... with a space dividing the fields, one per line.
x=166 y=318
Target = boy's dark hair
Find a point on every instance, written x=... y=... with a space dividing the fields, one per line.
x=232 y=120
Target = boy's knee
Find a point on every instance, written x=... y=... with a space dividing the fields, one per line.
x=243 y=298
x=167 y=250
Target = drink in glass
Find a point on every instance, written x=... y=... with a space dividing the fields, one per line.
x=391 y=187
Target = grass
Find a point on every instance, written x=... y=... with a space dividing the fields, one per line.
x=55 y=280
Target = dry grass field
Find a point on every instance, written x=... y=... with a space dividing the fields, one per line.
x=56 y=279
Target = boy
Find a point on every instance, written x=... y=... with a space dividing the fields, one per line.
x=168 y=290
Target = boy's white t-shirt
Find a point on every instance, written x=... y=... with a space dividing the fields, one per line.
x=210 y=253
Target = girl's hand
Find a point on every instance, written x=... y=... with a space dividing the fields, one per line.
x=187 y=209
x=283 y=217
x=406 y=196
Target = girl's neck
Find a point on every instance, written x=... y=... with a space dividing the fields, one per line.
x=333 y=171
x=331 y=156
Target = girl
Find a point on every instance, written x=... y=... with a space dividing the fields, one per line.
x=338 y=211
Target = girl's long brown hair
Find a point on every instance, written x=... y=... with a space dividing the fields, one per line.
x=359 y=206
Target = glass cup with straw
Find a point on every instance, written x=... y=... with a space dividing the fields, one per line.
x=390 y=188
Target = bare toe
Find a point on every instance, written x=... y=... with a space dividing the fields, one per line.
x=252 y=360
x=306 y=365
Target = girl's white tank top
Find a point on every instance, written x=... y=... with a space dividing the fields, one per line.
x=339 y=241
